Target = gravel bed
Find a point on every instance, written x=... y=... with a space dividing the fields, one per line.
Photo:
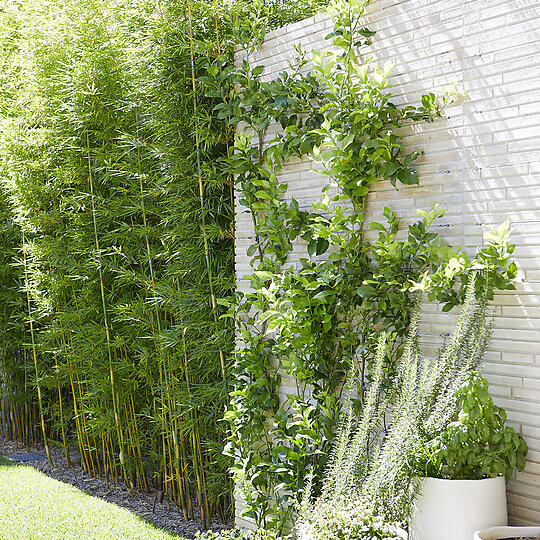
x=143 y=504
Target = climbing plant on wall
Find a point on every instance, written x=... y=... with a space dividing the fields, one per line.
x=317 y=321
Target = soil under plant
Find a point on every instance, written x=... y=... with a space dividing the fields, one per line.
x=522 y=538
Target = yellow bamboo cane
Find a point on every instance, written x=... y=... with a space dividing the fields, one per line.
x=139 y=452
x=106 y=320
x=201 y=191
x=66 y=448
x=34 y=354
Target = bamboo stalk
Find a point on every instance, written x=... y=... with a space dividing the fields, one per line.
x=131 y=438
x=193 y=444
x=185 y=475
x=12 y=434
x=34 y=354
x=19 y=424
x=89 y=459
x=105 y=318
x=184 y=452
x=66 y=448
x=138 y=445
x=201 y=461
x=20 y=419
x=3 y=408
x=77 y=420
x=201 y=192
x=91 y=469
x=112 y=460
x=78 y=413
x=134 y=429
x=26 y=425
x=199 y=482
x=179 y=478
x=171 y=473
x=95 y=449
x=105 y=468
x=12 y=430
x=163 y=371
x=164 y=482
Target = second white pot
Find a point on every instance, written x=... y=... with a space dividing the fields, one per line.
x=456 y=509
x=498 y=533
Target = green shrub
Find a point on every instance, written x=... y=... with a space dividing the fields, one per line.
x=477 y=444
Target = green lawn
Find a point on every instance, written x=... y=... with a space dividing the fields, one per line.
x=34 y=506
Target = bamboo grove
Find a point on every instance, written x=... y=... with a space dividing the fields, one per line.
x=116 y=222
x=110 y=341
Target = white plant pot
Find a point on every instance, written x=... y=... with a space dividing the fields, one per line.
x=497 y=533
x=456 y=509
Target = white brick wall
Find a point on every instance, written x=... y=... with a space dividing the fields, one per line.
x=481 y=161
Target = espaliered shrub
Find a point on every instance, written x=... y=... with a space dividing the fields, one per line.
x=318 y=321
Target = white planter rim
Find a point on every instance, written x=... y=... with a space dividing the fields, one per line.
x=498 y=533
x=402 y=533
x=463 y=480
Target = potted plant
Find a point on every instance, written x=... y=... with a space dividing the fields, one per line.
x=465 y=468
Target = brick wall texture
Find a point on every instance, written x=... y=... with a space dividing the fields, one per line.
x=481 y=162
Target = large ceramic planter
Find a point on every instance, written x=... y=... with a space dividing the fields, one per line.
x=456 y=509
x=498 y=533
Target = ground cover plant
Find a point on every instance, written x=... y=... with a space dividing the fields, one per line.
x=34 y=506
x=116 y=217
x=318 y=321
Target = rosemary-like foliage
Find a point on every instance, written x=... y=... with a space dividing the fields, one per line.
x=370 y=468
